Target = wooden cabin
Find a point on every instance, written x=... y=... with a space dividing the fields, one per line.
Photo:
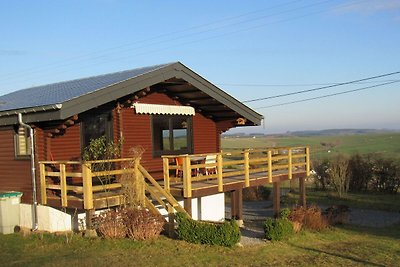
x=168 y=110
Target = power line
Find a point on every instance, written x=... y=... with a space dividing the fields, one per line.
x=324 y=87
x=215 y=36
x=329 y=95
x=101 y=53
x=291 y=84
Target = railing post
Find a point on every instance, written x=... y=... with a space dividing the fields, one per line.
x=63 y=184
x=219 y=173
x=269 y=166
x=290 y=163
x=187 y=177
x=139 y=184
x=87 y=186
x=246 y=169
x=43 y=186
x=308 y=161
x=166 y=174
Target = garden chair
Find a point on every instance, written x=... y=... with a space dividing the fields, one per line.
x=179 y=167
x=211 y=159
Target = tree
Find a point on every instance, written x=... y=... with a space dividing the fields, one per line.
x=360 y=172
x=321 y=173
x=338 y=174
x=386 y=175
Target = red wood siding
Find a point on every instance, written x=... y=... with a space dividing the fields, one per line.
x=204 y=135
x=15 y=174
x=137 y=132
x=66 y=146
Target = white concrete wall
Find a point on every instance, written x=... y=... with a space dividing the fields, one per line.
x=208 y=208
x=212 y=208
x=49 y=219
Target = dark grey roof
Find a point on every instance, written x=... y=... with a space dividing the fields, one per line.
x=58 y=93
x=62 y=100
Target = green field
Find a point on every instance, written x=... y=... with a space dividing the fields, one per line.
x=387 y=144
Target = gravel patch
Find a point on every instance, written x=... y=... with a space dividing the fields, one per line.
x=373 y=218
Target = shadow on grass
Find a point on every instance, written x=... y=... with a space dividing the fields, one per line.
x=392 y=231
x=354 y=259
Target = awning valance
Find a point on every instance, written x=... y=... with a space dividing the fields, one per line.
x=142 y=108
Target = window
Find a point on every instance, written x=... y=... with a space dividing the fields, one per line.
x=22 y=143
x=95 y=126
x=172 y=134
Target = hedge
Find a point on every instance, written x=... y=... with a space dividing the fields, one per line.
x=225 y=234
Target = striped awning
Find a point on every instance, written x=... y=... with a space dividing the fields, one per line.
x=141 y=108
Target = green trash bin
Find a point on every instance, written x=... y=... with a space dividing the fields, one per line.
x=9 y=211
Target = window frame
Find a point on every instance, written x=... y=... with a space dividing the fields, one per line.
x=89 y=118
x=156 y=144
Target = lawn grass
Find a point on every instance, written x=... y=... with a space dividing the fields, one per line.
x=338 y=246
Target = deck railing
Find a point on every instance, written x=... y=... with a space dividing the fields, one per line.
x=270 y=161
x=68 y=180
x=74 y=178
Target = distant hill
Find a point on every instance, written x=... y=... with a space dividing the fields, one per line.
x=326 y=132
x=340 y=132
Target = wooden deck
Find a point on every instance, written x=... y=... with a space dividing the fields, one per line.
x=234 y=169
x=77 y=185
x=210 y=187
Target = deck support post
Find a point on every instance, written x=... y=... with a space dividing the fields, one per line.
x=237 y=206
x=302 y=190
x=89 y=219
x=187 y=205
x=276 y=198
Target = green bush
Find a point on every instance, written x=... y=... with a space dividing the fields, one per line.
x=285 y=213
x=278 y=229
x=226 y=234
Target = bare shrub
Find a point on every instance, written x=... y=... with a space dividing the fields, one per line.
x=110 y=224
x=142 y=224
x=133 y=182
x=310 y=218
x=314 y=220
x=338 y=174
x=337 y=214
x=135 y=223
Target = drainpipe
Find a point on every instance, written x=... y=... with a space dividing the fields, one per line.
x=33 y=173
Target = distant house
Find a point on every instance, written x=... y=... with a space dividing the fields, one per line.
x=152 y=107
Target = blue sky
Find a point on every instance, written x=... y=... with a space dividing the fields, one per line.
x=250 y=49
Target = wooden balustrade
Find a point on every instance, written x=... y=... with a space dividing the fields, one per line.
x=54 y=176
x=245 y=163
x=64 y=180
